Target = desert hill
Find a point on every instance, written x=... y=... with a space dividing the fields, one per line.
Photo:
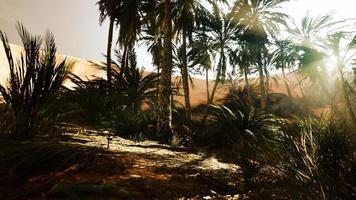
x=82 y=68
x=85 y=69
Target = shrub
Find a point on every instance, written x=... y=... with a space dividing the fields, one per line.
x=137 y=86
x=34 y=83
x=237 y=127
x=133 y=124
x=237 y=97
x=122 y=109
x=319 y=154
x=249 y=135
x=89 y=103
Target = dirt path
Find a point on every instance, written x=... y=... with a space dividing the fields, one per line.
x=155 y=154
x=151 y=171
x=127 y=170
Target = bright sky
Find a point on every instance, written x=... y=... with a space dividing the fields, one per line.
x=343 y=8
x=75 y=22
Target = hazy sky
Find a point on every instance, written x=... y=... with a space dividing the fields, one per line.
x=75 y=22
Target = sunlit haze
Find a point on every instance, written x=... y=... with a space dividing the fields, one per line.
x=75 y=23
x=178 y=99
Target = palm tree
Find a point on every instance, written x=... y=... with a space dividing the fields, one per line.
x=219 y=29
x=35 y=80
x=182 y=57
x=285 y=57
x=164 y=98
x=240 y=58
x=153 y=39
x=308 y=36
x=134 y=15
x=308 y=32
x=133 y=83
x=186 y=15
x=202 y=54
x=131 y=16
x=342 y=46
x=109 y=9
x=259 y=19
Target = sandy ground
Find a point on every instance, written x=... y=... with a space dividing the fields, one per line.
x=130 y=170
x=173 y=156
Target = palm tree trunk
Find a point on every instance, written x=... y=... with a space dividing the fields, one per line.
x=217 y=81
x=158 y=78
x=266 y=82
x=124 y=60
x=157 y=91
x=165 y=90
x=205 y=117
x=211 y=99
x=207 y=84
x=346 y=97
x=262 y=87
x=301 y=87
x=249 y=95
x=286 y=83
x=108 y=54
x=185 y=78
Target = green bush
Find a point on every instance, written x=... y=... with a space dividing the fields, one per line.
x=133 y=90
x=88 y=103
x=237 y=128
x=249 y=137
x=138 y=87
x=133 y=124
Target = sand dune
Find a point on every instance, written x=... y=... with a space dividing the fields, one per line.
x=85 y=69
x=82 y=68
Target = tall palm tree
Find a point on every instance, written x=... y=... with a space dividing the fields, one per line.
x=285 y=57
x=164 y=98
x=259 y=19
x=219 y=29
x=202 y=55
x=255 y=46
x=131 y=16
x=308 y=35
x=342 y=46
x=153 y=39
x=186 y=16
x=308 y=32
x=240 y=58
x=109 y=9
x=184 y=57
